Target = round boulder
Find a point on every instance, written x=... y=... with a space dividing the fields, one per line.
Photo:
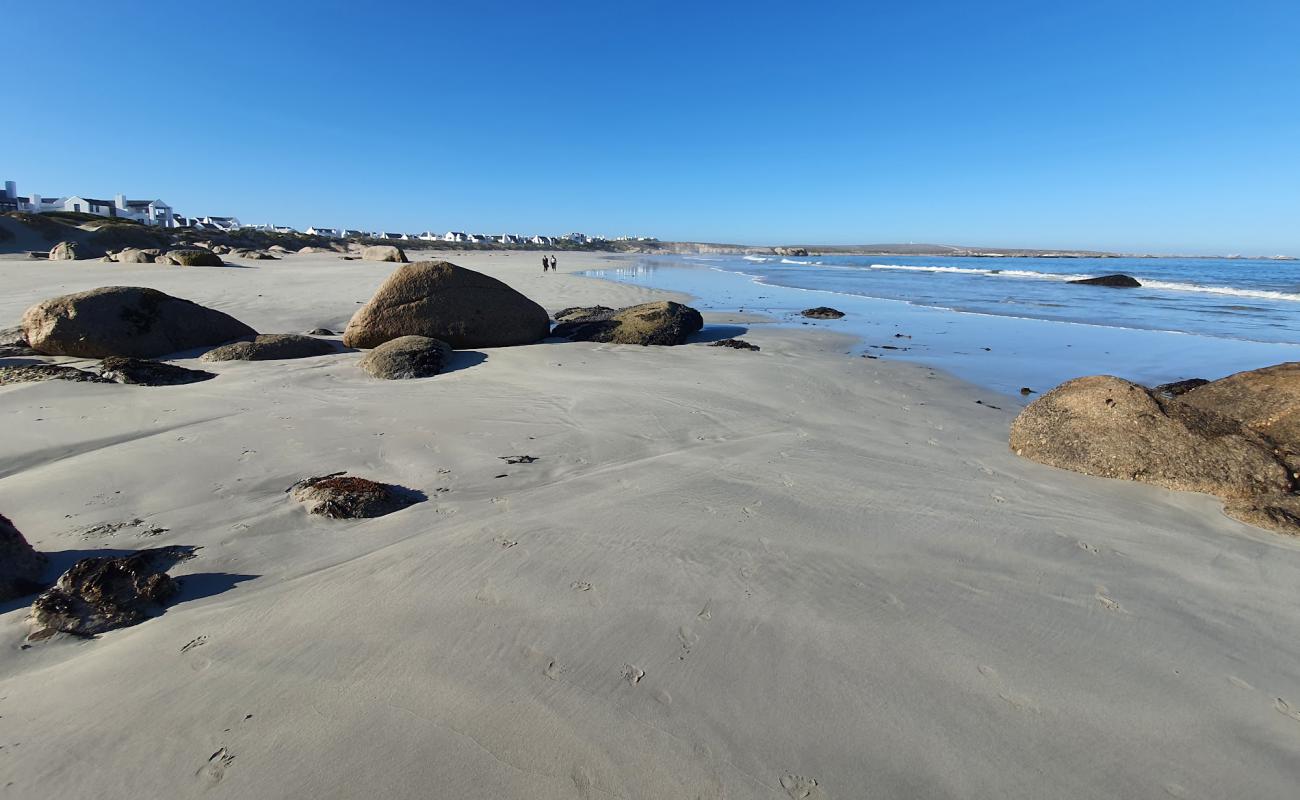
x=407 y=357
x=64 y=251
x=443 y=301
x=660 y=323
x=1265 y=400
x=132 y=255
x=1106 y=426
x=21 y=566
x=126 y=321
x=271 y=347
x=384 y=252
x=341 y=496
x=192 y=258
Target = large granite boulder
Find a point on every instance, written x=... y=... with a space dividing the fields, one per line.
x=1274 y=512
x=342 y=496
x=584 y=312
x=1106 y=426
x=659 y=323
x=191 y=258
x=132 y=255
x=126 y=321
x=384 y=252
x=64 y=251
x=100 y=594
x=440 y=300
x=1265 y=400
x=1113 y=281
x=407 y=357
x=21 y=566
x=271 y=347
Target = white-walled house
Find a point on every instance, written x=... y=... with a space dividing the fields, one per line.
x=331 y=233
x=348 y=233
x=149 y=212
x=540 y=240
x=217 y=223
x=454 y=236
x=429 y=236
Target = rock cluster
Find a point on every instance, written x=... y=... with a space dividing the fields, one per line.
x=660 y=323
x=1237 y=438
x=440 y=300
x=100 y=594
x=126 y=321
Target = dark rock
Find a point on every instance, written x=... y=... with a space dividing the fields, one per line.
x=1178 y=388
x=1106 y=426
x=738 y=344
x=1276 y=512
x=1116 y=281
x=143 y=372
x=407 y=357
x=661 y=323
x=271 y=347
x=126 y=321
x=100 y=594
x=192 y=258
x=21 y=567
x=340 y=496
x=584 y=313
x=1025 y=391
x=32 y=373
x=822 y=312
x=790 y=251
x=320 y=332
x=440 y=300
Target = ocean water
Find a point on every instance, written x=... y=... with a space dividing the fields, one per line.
x=1006 y=323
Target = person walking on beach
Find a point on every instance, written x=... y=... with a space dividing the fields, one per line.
x=546 y=263
x=553 y=267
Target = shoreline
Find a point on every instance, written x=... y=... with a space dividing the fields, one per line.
x=726 y=574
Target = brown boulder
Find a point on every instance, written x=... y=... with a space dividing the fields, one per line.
x=660 y=323
x=64 y=251
x=271 y=347
x=1265 y=400
x=1274 y=512
x=1106 y=426
x=340 y=496
x=191 y=258
x=126 y=321
x=407 y=357
x=132 y=255
x=100 y=594
x=21 y=566
x=440 y=300
x=384 y=252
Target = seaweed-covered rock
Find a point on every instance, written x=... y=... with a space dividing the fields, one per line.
x=384 y=252
x=1113 y=281
x=822 y=312
x=144 y=372
x=21 y=566
x=341 y=496
x=33 y=373
x=126 y=321
x=271 y=347
x=100 y=594
x=1106 y=426
x=736 y=344
x=438 y=299
x=659 y=323
x=407 y=357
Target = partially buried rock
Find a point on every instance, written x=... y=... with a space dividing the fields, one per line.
x=407 y=357
x=100 y=594
x=1114 y=281
x=191 y=258
x=143 y=372
x=21 y=566
x=440 y=300
x=320 y=332
x=1178 y=388
x=1267 y=401
x=1277 y=512
x=1106 y=426
x=253 y=255
x=738 y=344
x=340 y=496
x=126 y=321
x=32 y=373
x=660 y=323
x=64 y=251
x=271 y=347
x=132 y=255
x=822 y=312
x=384 y=252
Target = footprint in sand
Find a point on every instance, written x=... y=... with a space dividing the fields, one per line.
x=1285 y=709
x=800 y=787
x=215 y=769
x=580 y=586
x=1018 y=701
x=193 y=643
x=1088 y=548
x=632 y=675
x=688 y=639
x=1108 y=603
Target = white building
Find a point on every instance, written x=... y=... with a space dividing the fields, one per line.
x=429 y=236
x=541 y=240
x=454 y=236
x=580 y=238
x=225 y=224
x=348 y=233
x=332 y=233
x=149 y=212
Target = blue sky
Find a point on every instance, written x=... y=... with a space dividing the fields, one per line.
x=1137 y=125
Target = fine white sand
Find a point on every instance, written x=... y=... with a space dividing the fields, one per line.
x=728 y=575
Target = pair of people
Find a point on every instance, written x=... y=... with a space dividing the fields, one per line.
x=548 y=262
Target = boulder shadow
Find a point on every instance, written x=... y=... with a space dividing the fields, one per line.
x=463 y=359
x=198 y=585
x=716 y=333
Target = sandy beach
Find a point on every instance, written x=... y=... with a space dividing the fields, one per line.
x=786 y=574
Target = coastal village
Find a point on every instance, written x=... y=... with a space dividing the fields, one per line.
x=160 y=214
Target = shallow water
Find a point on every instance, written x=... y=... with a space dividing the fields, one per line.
x=1012 y=323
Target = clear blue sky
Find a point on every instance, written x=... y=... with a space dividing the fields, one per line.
x=1134 y=125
